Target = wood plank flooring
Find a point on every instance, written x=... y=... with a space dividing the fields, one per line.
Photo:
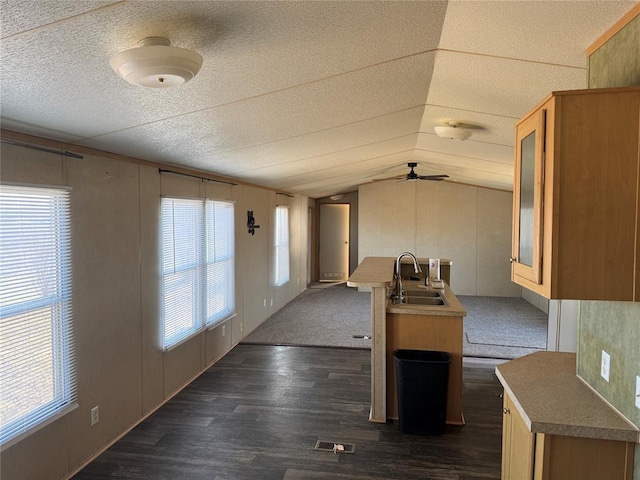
x=258 y=413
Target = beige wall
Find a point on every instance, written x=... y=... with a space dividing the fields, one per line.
x=469 y=225
x=115 y=208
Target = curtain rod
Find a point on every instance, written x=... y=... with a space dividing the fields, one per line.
x=41 y=149
x=160 y=170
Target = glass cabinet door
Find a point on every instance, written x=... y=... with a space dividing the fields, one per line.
x=527 y=234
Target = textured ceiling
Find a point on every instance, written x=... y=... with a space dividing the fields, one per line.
x=308 y=97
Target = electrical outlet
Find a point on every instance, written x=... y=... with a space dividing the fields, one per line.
x=638 y=391
x=605 y=365
x=272 y=302
x=223 y=330
x=95 y=415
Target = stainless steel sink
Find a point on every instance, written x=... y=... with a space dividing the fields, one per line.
x=422 y=301
x=422 y=293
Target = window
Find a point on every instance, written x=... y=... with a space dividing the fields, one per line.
x=182 y=247
x=198 y=266
x=220 y=261
x=37 y=369
x=282 y=245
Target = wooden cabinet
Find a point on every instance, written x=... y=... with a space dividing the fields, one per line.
x=517 y=444
x=576 y=229
x=539 y=456
x=426 y=332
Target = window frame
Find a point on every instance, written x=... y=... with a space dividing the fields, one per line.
x=282 y=251
x=35 y=228
x=229 y=264
x=207 y=261
x=181 y=321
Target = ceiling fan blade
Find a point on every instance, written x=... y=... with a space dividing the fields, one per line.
x=397 y=177
x=433 y=177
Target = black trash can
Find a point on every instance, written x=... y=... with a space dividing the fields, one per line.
x=422 y=379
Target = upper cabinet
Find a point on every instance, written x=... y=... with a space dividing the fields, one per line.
x=576 y=211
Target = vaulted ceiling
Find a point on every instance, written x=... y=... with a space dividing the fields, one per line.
x=306 y=97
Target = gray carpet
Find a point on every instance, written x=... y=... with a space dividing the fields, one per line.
x=324 y=315
x=502 y=327
x=332 y=315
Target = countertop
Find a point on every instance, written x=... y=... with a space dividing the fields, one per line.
x=452 y=307
x=552 y=399
x=373 y=272
x=378 y=272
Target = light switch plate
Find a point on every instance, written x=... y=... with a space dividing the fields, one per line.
x=638 y=391
x=95 y=415
x=605 y=365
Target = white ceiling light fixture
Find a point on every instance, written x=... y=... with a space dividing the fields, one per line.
x=156 y=64
x=452 y=130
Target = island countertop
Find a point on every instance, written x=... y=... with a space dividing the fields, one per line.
x=373 y=272
x=451 y=308
x=552 y=399
x=378 y=272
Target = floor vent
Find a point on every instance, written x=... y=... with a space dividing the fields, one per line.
x=335 y=447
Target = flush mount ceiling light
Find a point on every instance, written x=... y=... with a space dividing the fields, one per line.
x=452 y=130
x=156 y=64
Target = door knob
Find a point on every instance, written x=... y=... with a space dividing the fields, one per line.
x=512 y=259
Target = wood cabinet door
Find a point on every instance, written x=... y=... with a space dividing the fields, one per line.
x=527 y=198
x=518 y=445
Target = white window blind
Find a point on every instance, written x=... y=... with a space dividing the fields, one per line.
x=220 y=261
x=37 y=365
x=183 y=268
x=282 y=245
x=198 y=247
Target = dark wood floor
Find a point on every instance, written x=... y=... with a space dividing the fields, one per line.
x=258 y=413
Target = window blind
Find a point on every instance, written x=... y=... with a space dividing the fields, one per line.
x=220 y=261
x=282 y=245
x=198 y=247
x=183 y=269
x=37 y=364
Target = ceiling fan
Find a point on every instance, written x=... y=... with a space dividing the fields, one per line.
x=414 y=176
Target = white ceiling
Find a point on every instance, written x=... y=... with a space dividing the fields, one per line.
x=307 y=97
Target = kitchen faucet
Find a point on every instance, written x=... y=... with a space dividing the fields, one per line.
x=398 y=294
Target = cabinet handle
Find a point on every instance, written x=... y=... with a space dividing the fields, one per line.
x=512 y=259
x=505 y=411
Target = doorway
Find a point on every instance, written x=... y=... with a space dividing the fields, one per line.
x=334 y=242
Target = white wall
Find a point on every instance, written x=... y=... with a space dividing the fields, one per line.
x=562 y=334
x=115 y=209
x=469 y=225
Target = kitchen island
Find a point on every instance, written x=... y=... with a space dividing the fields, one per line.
x=408 y=326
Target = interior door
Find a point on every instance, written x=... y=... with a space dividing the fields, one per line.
x=334 y=242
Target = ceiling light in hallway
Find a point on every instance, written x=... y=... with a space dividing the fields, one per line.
x=156 y=64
